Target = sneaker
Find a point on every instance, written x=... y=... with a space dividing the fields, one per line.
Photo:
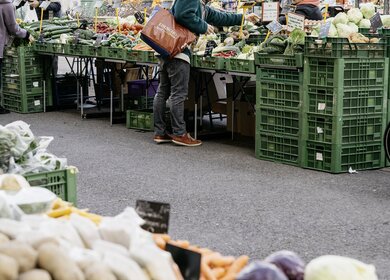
x=186 y=140
x=3 y=110
x=166 y=138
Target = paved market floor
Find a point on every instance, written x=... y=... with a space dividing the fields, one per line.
x=221 y=195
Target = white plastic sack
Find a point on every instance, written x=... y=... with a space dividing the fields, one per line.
x=31 y=15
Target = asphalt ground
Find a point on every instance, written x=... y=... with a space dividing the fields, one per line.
x=223 y=197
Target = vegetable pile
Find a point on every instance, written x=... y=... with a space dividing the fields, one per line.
x=21 y=152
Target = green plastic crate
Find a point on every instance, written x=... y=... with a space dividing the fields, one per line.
x=140 y=119
x=278 y=148
x=73 y=50
x=21 y=51
x=346 y=72
x=32 y=103
x=134 y=56
x=60 y=182
x=280 y=75
x=10 y=69
x=342 y=48
x=240 y=65
x=149 y=57
x=140 y=102
x=343 y=130
x=114 y=53
x=270 y=120
x=335 y=158
x=265 y=60
x=347 y=102
x=24 y=85
x=89 y=51
x=43 y=48
x=278 y=95
x=215 y=63
x=101 y=51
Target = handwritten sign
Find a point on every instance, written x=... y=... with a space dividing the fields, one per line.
x=376 y=22
x=155 y=214
x=324 y=30
x=44 y=5
x=270 y=11
x=187 y=261
x=275 y=27
x=295 y=21
x=209 y=48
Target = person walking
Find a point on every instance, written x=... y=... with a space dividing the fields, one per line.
x=53 y=10
x=308 y=8
x=175 y=73
x=8 y=26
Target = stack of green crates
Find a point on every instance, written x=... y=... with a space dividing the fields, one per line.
x=278 y=103
x=24 y=81
x=345 y=106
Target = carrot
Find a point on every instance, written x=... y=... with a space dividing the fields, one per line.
x=206 y=271
x=218 y=272
x=221 y=261
x=236 y=267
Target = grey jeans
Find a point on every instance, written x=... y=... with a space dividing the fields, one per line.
x=174 y=78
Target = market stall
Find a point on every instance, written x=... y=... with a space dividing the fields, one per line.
x=321 y=86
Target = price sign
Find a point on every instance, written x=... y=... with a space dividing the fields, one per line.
x=376 y=22
x=117 y=4
x=155 y=214
x=247 y=5
x=98 y=4
x=295 y=21
x=44 y=5
x=209 y=48
x=139 y=17
x=188 y=261
x=324 y=30
x=270 y=11
x=275 y=27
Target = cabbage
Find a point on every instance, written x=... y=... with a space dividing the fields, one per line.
x=368 y=10
x=315 y=33
x=344 y=30
x=354 y=27
x=386 y=20
x=340 y=18
x=259 y=270
x=355 y=15
x=289 y=262
x=339 y=268
x=365 y=23
x=333 y=31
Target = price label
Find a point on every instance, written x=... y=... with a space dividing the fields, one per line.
x=155 y=214
x=98 y=4
x=376 y=22
x=44 y=5
x=117 y=4
x=270 y=11
x=209 y=48
x=275 y=27
x=139 y=17
x=324 y=30
x=187 y=261
x=295 y=21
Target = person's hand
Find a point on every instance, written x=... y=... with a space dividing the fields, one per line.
x=252 y=18
x=34 y=4
x=210 y=29
x=31 y=39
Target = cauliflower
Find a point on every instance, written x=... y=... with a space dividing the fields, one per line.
x=365 y=23
x=333 y=31
x=344 y=30
x=354 y=27
x=340 y=18
x=368 y=10
x=386 y=21
x=355 y=15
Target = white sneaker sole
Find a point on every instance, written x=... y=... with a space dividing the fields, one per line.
x=158 y=141
x=187 y=145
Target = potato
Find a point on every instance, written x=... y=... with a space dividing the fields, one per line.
x=3 y=238
x=24 y=254
x=35 y=274
x=58 y=263
x=99 y=271
x=8 y=268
